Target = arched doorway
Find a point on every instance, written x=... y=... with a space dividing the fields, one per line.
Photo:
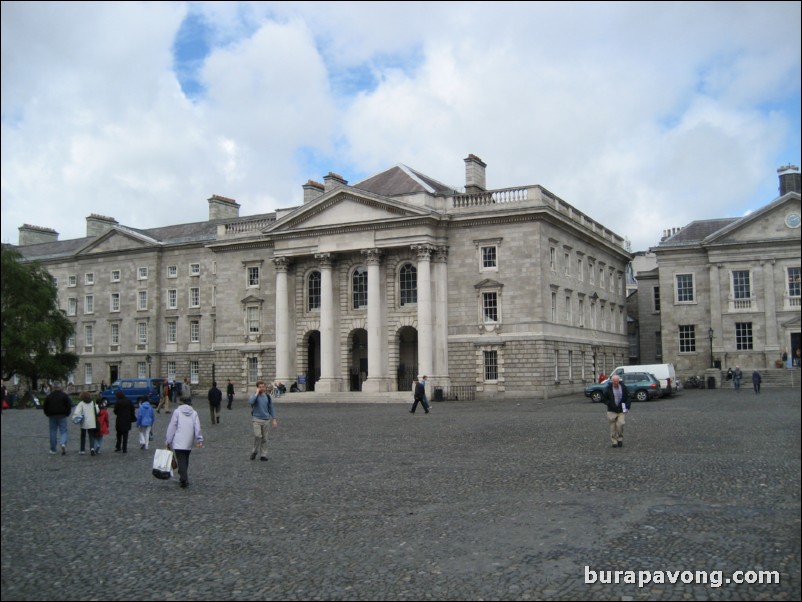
x=407 y=357
x=312 y=359
x=358 y=364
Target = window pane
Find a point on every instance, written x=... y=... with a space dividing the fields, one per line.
x=491 y=365
x=490 y=307
x=743 y=335
x=684 y=287
x=313 y=292
x=408 y=284
x=489 y=257
x=740 y=285
x=687 y=338
x=360 y=284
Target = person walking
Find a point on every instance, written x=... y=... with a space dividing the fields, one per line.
x=230 y=393
x=184 y=432
x=124 y=411
x=617 y=397
x=164 y=402
x=215 y=397
x=57 y=408
x=420 y=395
x=756 y=380
x=88 y=412
x=736 y=377
x=145 y=418
x=263 y=414
x=185 y=392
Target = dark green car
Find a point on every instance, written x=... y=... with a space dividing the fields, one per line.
x=642 y=386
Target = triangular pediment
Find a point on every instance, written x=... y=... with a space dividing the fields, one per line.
x=117 y=239
x=487 y=283
x=346 y=207
x=251 y=300
x=772 y=222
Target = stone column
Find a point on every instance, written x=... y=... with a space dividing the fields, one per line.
x=772 y=331
x=718 y=306
x=425 y=317
x=284 y=358
x=440 y=369
x=329 y=380
x=377 y=344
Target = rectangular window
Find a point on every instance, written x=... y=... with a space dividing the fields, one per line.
x=743 y=335
x=579 y=271
x=794 y=288
x=142 y=333
x=658 y=345
x=253 y=277
x=194 y=269
x=89 y=335
x=656 y=299
x=687 y=338
x=556 y=366
x=141 y=370
x=171 y=370
x=581 y=312
x=568 y=309
x=142 y=300
x=741 y=288
x=72 y=281
x=172 y=332
x=88 y=378
x=114 y=306
x=194 y=297
x=489 y=258
x=142 y=274
x=491 y=365
x=72 y=306
x=591 y=277
x=567 y=264
x=194 y=372
x=490 y=307
x=554 y=307
x=601 y=277
x=253 y=370
x=253 y=320
x=570 y=365
x=684 y=288
x=552 y=258
x=89 y=278
x=89 y=304
x=172 y=271
x=194 y=331
x=172 y=298
x=114 y=334
x=115 y=275
x=71 y=341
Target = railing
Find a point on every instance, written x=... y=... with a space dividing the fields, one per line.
x=456 y=393
x=477 y=199
x=249 y=226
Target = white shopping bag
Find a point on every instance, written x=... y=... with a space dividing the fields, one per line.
x=163 y=464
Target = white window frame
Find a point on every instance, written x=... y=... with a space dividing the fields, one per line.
x=89 y=278
x=253 y=370
x=172 y=271
x=116 y=275
x=171 y=369
x=72 y=306
x=172 y=298
x=253 y=319
x=194 y=372
x=690 y=301
x=194 y=331
x=194 y=269
x=72 y=281
x=141 y=369
x=142 y=300
x=88 y=376
x=142 y=333
x=114 y=333
x=114 y=302
x=89 y=304
x=89 y=335
x=194 y=296
x=253 y=276
x=172 y=332
x=142 y=273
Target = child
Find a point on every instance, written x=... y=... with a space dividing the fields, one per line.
x=102 y=425
x=144 y=421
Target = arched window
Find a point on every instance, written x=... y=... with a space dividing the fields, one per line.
x=360 y=286
x=313 y=292
x=408 y=284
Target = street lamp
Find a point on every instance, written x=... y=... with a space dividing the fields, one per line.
x=149 y=359
x=710 y=334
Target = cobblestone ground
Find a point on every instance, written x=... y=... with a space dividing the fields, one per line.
x=476 y=501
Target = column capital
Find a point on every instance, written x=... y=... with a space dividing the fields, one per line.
x=282 y=263
x=325 y=260
x=423 y=250
x=441 y=254
x=372 y=256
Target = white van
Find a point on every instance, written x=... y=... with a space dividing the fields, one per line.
x=663 y=372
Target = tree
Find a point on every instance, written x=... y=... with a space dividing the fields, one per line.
x=34 y=330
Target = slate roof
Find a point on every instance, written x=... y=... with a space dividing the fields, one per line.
x=402 y=180
x=697 y=231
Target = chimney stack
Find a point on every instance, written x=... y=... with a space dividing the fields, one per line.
x=789 y=179
x=221 y=207
x=312 y=190
x=333 y=181
x=97 y=224
x=34 y=235
x=474 y=174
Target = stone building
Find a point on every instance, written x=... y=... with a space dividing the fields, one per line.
x=361 y=287
x=726 y=291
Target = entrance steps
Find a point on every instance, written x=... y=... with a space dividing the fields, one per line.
x=347 y=397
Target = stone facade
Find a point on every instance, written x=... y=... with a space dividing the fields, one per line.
x=510 y=291
x=736 y=280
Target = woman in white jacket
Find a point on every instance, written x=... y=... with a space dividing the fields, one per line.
x=184 y=432
x=89 y=410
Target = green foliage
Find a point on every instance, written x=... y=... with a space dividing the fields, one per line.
x=34 y=329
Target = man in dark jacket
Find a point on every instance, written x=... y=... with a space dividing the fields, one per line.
x=617 y=398
x=215 y=399
x=57 y=408
x=230 y=393
x=420 y=395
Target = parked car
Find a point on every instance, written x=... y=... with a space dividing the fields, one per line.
x=641 y=385
x=664 y=373
x=135 y=389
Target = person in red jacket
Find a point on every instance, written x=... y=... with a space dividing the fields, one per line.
x=102 y=425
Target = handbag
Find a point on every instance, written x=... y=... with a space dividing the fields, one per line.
x=163 y=464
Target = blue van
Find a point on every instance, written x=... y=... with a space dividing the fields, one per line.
x=134 y=389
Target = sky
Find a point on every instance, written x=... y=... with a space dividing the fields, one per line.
x=643 y=115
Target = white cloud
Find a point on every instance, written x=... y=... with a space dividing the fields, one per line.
x=643 y=115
